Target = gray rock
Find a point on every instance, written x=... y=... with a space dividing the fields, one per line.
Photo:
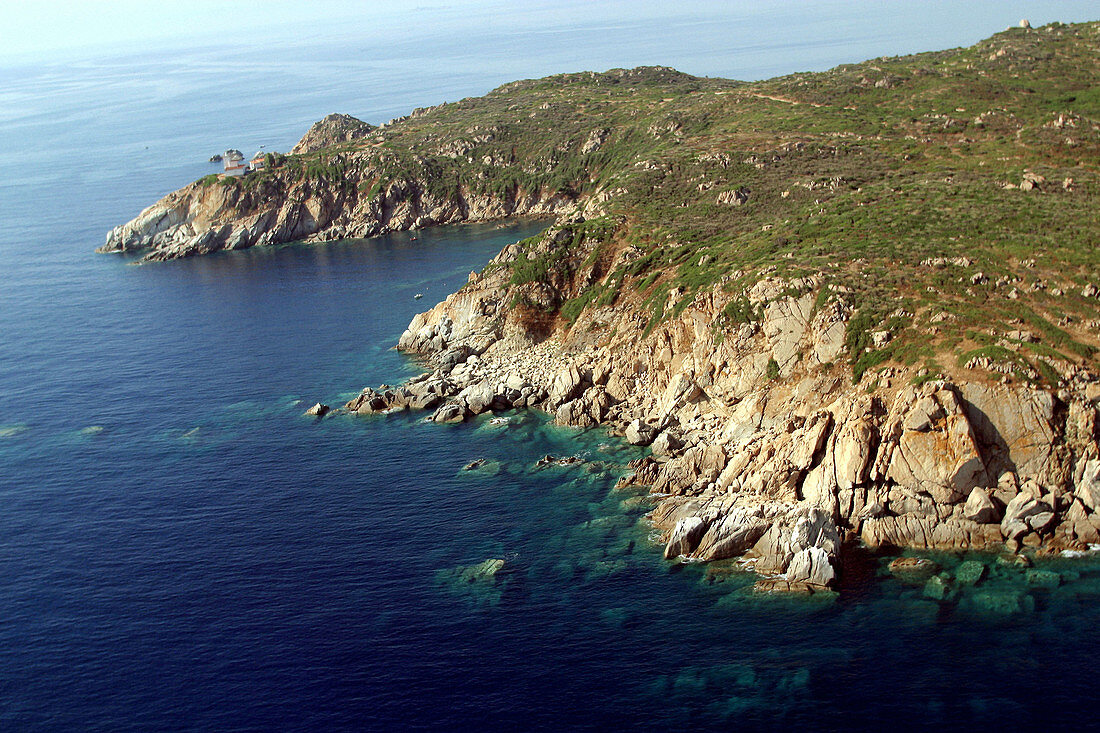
x=478 y=396
x=1013 y=530
x=566 y=385
x=1040 y=521
x=812 y=566
x=730 y=537
x=318 y=410
x=449 y=412
x=685 y=536
x=1018 y=513
x=574 y=413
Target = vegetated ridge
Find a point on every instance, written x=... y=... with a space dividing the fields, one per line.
x=858 y=306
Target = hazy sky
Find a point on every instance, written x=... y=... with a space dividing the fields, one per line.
x=67 y=29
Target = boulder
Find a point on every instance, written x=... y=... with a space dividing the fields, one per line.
x=449 y=412
x=1022 y=508
x=425 y=401
x=786 y=323
x=685 y=536
x=639 y=433
x=574 y=413
x=790 y=534
x=981 y=508
x=852 y=453
x=679 y=392
x=936 y=450
x=666 y=444
x=318 y=410
x=731 y=536
x=1014 y=426
x=566 y=385
x=811 y=566
x=1088 y=485
x=1041 y=521
x=478 y=397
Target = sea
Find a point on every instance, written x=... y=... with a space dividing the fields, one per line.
x=182 y=549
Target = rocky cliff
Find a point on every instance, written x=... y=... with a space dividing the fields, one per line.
x=332 y=130
x=474 y=160
x=762 y=446
x=207 y=217
x=854 y=308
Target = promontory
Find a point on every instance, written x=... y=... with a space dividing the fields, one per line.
x=857 y=308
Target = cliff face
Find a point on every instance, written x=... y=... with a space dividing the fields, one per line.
x=763 y=448
x=523 y=150
x=207 y=217
x=855 y=306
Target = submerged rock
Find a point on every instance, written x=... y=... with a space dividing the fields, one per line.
x=482 y=584
x=938 y=588
x=913 y=569
x=970 y=572
x=999 y=602
x=1043 y=578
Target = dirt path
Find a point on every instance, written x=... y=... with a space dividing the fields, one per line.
x=785 y=99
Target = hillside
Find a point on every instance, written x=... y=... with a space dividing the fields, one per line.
x=863 y=303
x=959 y=186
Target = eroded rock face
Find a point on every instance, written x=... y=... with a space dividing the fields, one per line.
x=208 y=217
x=781 y=471
x=931 y=447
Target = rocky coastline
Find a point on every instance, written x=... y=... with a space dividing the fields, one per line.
x=203 y=218
x=785 y=469
x=851 y=309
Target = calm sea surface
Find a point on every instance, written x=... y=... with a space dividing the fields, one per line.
x=181 y=549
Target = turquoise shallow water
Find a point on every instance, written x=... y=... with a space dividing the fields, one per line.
x=181 y=549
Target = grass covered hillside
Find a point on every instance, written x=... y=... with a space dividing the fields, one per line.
x=949 y=198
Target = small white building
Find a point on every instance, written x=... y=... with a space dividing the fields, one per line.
x=233 y=163
x=258 y=162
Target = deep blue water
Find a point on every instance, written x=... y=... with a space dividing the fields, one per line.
x=181 y=549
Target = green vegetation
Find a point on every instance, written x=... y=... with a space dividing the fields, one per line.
x=950 y=198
